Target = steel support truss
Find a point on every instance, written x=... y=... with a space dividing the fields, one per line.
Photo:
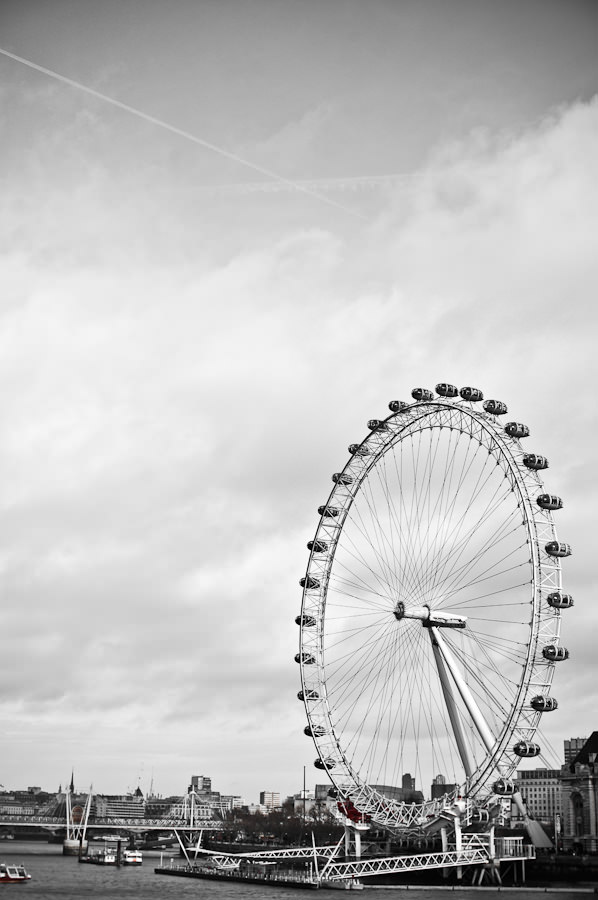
x=341 y=871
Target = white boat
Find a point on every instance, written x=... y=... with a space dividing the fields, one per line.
x=132 y=857
x=13 y=874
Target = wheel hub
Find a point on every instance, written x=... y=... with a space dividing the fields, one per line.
x=429 y=617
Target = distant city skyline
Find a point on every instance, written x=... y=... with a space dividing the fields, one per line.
x=203 y=783
x=183 y=366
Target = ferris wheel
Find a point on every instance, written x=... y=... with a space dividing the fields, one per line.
x=431 y=610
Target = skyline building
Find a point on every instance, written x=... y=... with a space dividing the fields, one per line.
x=541 y=791
x=572 y=748
x=270 y=799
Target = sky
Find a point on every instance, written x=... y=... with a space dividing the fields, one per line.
x=188 y=345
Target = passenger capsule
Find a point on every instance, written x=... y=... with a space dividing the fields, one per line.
x=377 y=425
x=558 y=548
x=495 y=407
x=329 y=512
x=549 y=501
x=359 y=450
x=309 y=582
x=447 y=390
x=526 y=749
x=342 y=478
x=504 y=787
x=324 y=763
x=480 y=816
x=314 y=731
x=308 y=695
x=422 y=394
x=558 y=600
x=533 y=461
x=474 y=395
x=305 y=621
x=306 y=658
x=397 y=405
x=517 y=430
x=555 y=654
x=543 y=704
x=317 y=546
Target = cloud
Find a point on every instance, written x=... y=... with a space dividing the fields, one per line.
x=175 y=401
x=293 y=147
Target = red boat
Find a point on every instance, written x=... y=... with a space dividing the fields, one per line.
x=13 y=874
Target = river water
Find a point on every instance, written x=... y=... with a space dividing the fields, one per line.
x=62 y=877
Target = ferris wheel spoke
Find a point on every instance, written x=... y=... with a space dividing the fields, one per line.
x=373 y=539
x=460 y=542
x=452 y=492
x=448 y=528
x=461 y=600
x=478 y=669
x=496 y=572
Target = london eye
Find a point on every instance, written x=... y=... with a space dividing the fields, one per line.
x=431 y=609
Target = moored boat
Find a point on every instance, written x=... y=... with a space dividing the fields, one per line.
x=132 y=858
x=106 y=857
x=13 y=874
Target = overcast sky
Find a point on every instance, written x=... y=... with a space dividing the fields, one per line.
x=183 y=361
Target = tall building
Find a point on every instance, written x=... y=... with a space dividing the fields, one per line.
x=440 y=787
x=408 y=782
x=232 y=801
x=120 y=806
x=572 y=748
x=541 y=791
x=201 y=784
x=270 y=799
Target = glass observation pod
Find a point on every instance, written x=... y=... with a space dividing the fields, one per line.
x=558 y=548
x=495 y=407
x=377 y=425
x=315 y=731
x=305 y=621
x=526 y=749
x=555 y=654
x=474 y=395
x=447 y=390
x=342 y=478
x=516 y=430
x=328 y=512
x=422 y=394
x=306 y=658
x=324 y=763
x=549 y=501
x=309 y=582
x=397 y=405
x=359 y=450
x=317 y=546
x=308 y=695
x=534 y=461
x=480 y=816
x=558 y=600
x=544 y=704
x=504 y=787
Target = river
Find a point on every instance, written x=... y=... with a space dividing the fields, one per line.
x=62 y=877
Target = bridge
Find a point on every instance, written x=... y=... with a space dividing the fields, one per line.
x=186 y=818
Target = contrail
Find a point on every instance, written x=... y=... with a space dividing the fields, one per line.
x=289 y=183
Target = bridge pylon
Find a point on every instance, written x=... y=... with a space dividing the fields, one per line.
x=77 y=817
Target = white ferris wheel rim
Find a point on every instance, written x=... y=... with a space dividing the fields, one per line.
x=333 y=688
